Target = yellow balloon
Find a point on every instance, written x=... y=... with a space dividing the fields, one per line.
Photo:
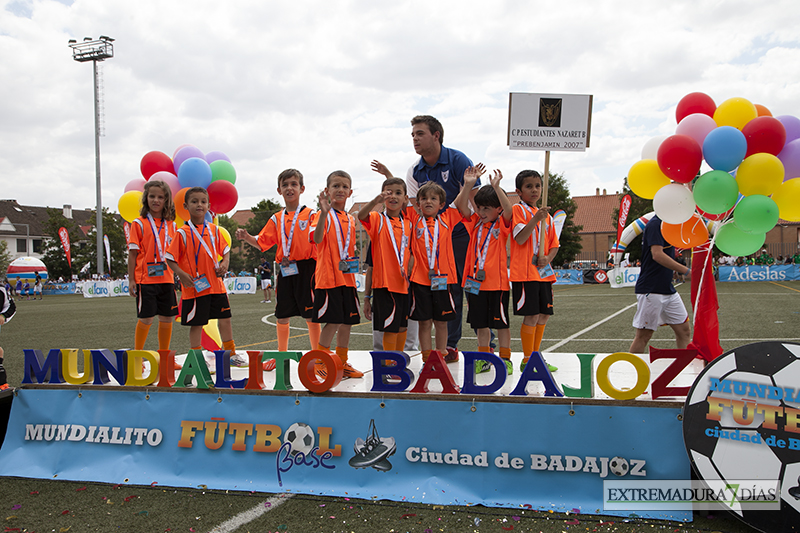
x=179 y=221
x=225 y=235
x=130 y=204
x=736 y=112
x=645 y=178
x=760 y=173
x=787 y=196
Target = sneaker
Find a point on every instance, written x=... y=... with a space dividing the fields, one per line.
x=482 y=366
x=452 y=355
x=509 y=366
x=263 y=301
x=350 y=372
x=320 y=370
x=551 y=368
x=4 y=386
x=238 y=361
x=268 y=365
x=269 y=301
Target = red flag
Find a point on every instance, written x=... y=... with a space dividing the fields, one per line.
x=624 y=209
x=704 y=301
x=63 y=234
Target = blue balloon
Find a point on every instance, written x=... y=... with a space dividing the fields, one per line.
x=194 y=172
x=209 y=218
x=724 y=148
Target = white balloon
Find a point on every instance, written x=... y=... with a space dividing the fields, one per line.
x=650 y=148
x=674 y=203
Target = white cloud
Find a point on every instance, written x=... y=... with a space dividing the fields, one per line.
x=320 y=86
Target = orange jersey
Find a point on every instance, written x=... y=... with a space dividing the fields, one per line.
x=387 y=272
x=300 y=247
x=192 y=257
x=494 y=238
x=523 y=256
x=423 y=230
x=328 y=275
x=143 y=239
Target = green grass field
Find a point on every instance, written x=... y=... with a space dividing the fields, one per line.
x=588 y=319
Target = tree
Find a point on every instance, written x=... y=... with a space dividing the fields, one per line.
x=639 y=207
x=237 y=260
x=54 y=257
x=112 y=227
x=558 y=197
x=253 y=257
x=5 y=257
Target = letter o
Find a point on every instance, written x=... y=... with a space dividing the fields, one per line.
x=154 y=437
x=642 y=373
x=308 y=377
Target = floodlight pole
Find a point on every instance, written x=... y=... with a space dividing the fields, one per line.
x=94 y=51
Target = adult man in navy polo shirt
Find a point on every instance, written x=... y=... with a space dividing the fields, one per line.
x=446 y=167
x=658 y=301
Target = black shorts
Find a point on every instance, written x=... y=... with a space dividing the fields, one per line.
x=389 y=310
x=431 y=305
x=198 y=311
x=156 y=299
x=532 y=298
x=295 y=294
x=338 y=305
x=488 y=309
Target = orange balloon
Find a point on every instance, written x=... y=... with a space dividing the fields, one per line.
x=763 y=111
x=691 y=233
x=180 y=199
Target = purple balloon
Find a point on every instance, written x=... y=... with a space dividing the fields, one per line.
x=170 y=179
x=792 y=126
x=216 y=155
x=187 y=152
x=790 y=157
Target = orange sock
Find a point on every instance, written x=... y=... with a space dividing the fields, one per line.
x=485 y=349
x=527 y=332
x=164 y=335
x=538 y=336
x=341 y=351
x=505 y=353
x=140 y=336
x=400 y=344
x=425 y=355
x=197 y=348
x=389 y=341
x=313 y=332
x=283 y=337
x=229 y=345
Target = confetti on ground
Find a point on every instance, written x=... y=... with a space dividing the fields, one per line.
x=129 y=498
x=65 y=512
x=146 y=513
x=80 y=489
x=15 y=507
x=153 y=484
x=408 y=515
x=34 y=492
x=508 y=528
x=572 y=522
x=576 y=511
x=516 y=518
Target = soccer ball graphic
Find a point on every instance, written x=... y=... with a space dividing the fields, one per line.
x=771 y=364
x=301 y=437
x=618 y=466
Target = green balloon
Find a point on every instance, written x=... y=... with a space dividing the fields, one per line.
x=756 y=214
x=222 y=170
x=715 y=192
x=733 y=241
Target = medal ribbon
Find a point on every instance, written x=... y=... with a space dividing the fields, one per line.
x=535 y=234
x=199 y=236
x=400 y=253
x=432 y=249
x=159 y=251
x=343 y=250
x=480 y=254
x=286 y=242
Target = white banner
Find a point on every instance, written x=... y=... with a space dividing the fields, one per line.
x=240 y=285
x=623 y=277
x=104 y=289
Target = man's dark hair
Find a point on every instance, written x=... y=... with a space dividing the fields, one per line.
x=433 y=124
x=525 y=174
x=487 y=197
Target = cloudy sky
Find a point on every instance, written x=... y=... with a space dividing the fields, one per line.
x=325 y=85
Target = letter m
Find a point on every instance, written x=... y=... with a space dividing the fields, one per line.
x=34 y=432
x=43 y=370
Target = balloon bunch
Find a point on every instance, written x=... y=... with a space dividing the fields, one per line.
x=187 y=168
x=752 y=180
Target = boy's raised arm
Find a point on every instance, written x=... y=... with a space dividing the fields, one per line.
x=471 y=175
x=502 y=196
x=363 y=213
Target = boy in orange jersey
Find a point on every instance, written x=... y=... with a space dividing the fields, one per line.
x=434 y=265
x=150 y=279
x=486 y=270
x=389 y=233
x=193 y=257
x=297 y=255
x=335 y=297
x=532 y=277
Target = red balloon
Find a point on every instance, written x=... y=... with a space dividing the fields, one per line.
x=222 y=196
x=711 y=216
x=679 y=158
x=695 y=103
x=155 y=161
x=764 y=134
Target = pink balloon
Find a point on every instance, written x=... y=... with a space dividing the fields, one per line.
x=222 y=196
x=136 y=184
x=696 y=126
x=170 y=179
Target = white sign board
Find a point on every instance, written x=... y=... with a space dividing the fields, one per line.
x=552 y=122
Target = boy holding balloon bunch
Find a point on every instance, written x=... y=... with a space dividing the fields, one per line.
x=193 y=256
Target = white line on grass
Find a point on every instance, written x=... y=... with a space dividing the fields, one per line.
x=584 y=330
x=248 y=516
